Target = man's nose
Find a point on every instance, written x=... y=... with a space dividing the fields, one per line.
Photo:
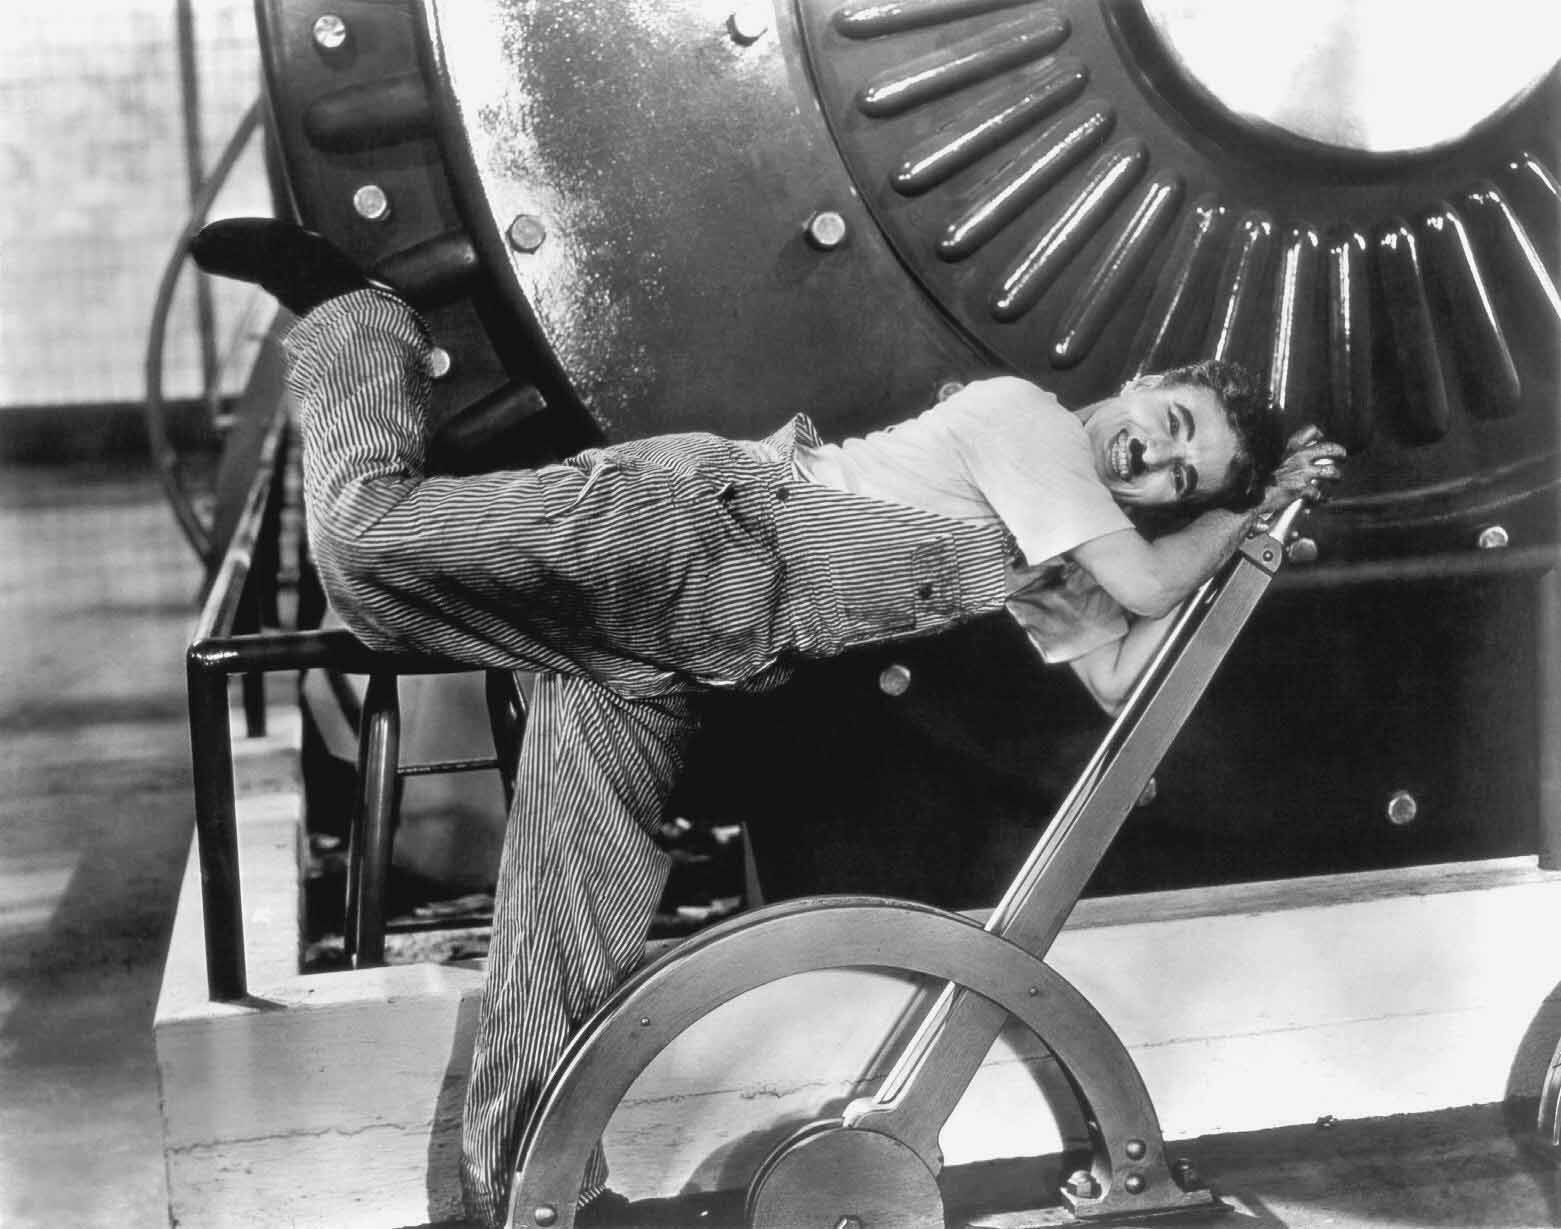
x=1155 y=454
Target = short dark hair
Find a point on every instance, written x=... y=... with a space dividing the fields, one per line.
x=1254 y=418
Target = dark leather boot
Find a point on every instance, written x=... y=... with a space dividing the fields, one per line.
x=298 y=267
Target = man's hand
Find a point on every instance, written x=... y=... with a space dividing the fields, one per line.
x=1150 y=579
x=1311 y=463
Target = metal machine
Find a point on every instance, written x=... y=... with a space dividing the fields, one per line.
x=623 y=219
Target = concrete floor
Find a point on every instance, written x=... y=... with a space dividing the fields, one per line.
x=97 y=594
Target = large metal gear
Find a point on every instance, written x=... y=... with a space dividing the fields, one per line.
x=1057 y=179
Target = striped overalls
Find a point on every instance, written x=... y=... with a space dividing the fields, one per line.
x=628 y=578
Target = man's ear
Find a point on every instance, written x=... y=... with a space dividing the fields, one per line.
x=1152 y=380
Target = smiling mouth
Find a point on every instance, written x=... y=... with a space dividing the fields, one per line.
x=1120 y=456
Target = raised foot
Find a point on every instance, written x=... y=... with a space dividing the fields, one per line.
x=299 y=268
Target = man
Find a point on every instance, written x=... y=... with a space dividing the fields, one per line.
x=630 y=578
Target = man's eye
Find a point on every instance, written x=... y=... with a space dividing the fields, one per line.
x=1176 y=426
x=1179 y=476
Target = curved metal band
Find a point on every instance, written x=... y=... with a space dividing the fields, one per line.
x=784 y=940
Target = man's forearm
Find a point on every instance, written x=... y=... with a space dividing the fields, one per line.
x=1150 y=578
x=1183 y=560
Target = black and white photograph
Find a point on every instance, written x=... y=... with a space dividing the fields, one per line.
x=780 y=614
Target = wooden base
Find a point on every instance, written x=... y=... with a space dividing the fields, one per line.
x=334 y=1099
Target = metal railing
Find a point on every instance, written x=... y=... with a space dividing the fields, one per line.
x=226 y=642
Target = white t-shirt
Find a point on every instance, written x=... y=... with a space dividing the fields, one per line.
x=1004 y=450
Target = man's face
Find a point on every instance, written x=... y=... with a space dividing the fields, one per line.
x=1158 y=445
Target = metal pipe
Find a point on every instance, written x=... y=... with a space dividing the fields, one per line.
x=379 y=737
x=1548 y=629
x=253 y=681
x=225 y=595
x=195 y=174
x=216 y=830
x=336 y=649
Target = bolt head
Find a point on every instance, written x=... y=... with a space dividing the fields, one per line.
x=826 y=230
x=894 y=680
x=545 y=1215
x=1493 y=537
x=1081 y=1184
x=1402 y=808
x=1135 y=1184
x=438 y=363
x=1302 y=550
x=849 y=1222
x=371 y=203
x=749 y=23
x=1135 y=1149
x=330 y=32
x=526 y=233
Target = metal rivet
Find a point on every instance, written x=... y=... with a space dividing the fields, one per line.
x=1302 y=550
x=526 y=233
x=438 y=363
x=895 y=680
x=748 y=24
x=1151 y=792
x=1035 y=992
x=1268 y=556
x=948 y=388
x=644 y=1021
x=330 y=32
x=1081 y=1184
x=1492 y=537
x=371 y=203
x=1402 y=808
x=1135 y=1184
x=547 y=1214
x=849 y=1222
x=1135 y=1149
x=826 y=230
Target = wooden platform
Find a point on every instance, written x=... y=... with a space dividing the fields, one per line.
x=333 y=1099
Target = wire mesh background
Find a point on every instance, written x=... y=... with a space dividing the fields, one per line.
x=92 y=150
